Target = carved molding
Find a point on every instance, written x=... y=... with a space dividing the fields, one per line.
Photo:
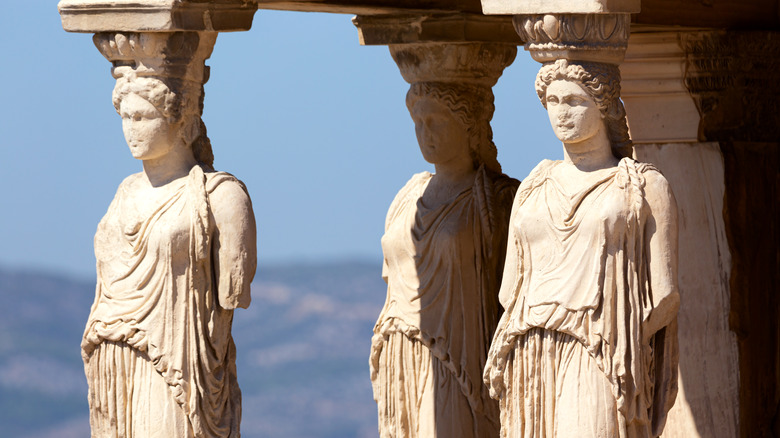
x=156 y=15
x=172 y=55
x=474 y=63
x=733 y=79
x=425 y=28
x=146 y=63
x=576 y=37
x=659 y=107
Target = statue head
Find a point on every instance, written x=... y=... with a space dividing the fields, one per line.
x=601 y=83
x=459 y=116
x=158 y=115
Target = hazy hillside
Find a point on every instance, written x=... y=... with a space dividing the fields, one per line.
x=302 y=352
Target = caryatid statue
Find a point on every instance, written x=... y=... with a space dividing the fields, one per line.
x=176 y=253
x=444 y=244
x=587 y=344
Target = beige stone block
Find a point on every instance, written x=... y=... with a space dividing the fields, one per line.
x=156 y=15
x=708 y=398
x=433 y=28
x=516 y=7
x=658 y=105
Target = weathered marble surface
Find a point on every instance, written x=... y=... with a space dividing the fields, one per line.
x=444 y=245
x=588 y=340
x=176 y=253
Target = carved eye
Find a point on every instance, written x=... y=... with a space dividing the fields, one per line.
x=574 y=101
x=552 y=99
x=137 y=117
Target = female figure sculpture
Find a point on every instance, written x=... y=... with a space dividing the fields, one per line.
x=176 y=253
x=443 y=246
x=587 y=345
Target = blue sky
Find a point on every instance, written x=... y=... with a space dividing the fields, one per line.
x=311 y=121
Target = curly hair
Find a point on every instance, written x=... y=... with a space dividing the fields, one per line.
x=470 y=104
x=602 y=83
x=174 y=106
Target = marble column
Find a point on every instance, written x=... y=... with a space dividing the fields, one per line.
x=596 y=33
x=702 y=106
x=157 y=364
x=446 y=233
x=732 y=79
x=664 y=123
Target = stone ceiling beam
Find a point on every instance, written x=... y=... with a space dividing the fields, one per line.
x=435 y=28
x=156 y=15
x=517 y=7
x=374 y=7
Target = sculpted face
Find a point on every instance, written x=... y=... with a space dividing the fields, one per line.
x=573 y=114
x=441 y=136
x=148 y=133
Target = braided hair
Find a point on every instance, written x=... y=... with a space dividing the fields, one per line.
x=174 y=106
x=473 y=106
x=602 y=83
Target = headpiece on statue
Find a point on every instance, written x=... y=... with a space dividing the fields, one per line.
x=469 y=63
x=578 y=37
x=169 y=55
x=168 y=70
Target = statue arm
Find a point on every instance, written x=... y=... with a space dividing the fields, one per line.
x=234 y=245
x=660 y=328
x=512 y=272
x=661 y=253
x=395 y=209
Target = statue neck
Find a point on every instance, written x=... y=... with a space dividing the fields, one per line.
x=169 y=167
x=591 y=154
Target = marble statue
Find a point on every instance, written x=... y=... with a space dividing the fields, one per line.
x=444 y=245
x=587 y=345
x=176 y=253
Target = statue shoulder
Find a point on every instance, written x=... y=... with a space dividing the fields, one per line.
x=542 y=168
x=502 y=188
x=658 y=192
x=534 y=179
x=411 y=187
x=222 y=181
x=130 y=182
x=226 y=193
x=504 y=183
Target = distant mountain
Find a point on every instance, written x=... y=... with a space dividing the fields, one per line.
x=302 y=345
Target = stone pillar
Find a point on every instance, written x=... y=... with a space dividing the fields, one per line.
x=664 y=122
x=732 y=77
x=446 y=233
x=596 y=34
x=161 y=354
x=702 y=106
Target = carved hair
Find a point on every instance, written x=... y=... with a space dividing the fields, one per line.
x=174 y=106
x=602 y=83
x=470 y=104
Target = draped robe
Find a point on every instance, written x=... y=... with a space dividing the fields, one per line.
x=442 y=266
x=158 y=339
x=577 y=351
